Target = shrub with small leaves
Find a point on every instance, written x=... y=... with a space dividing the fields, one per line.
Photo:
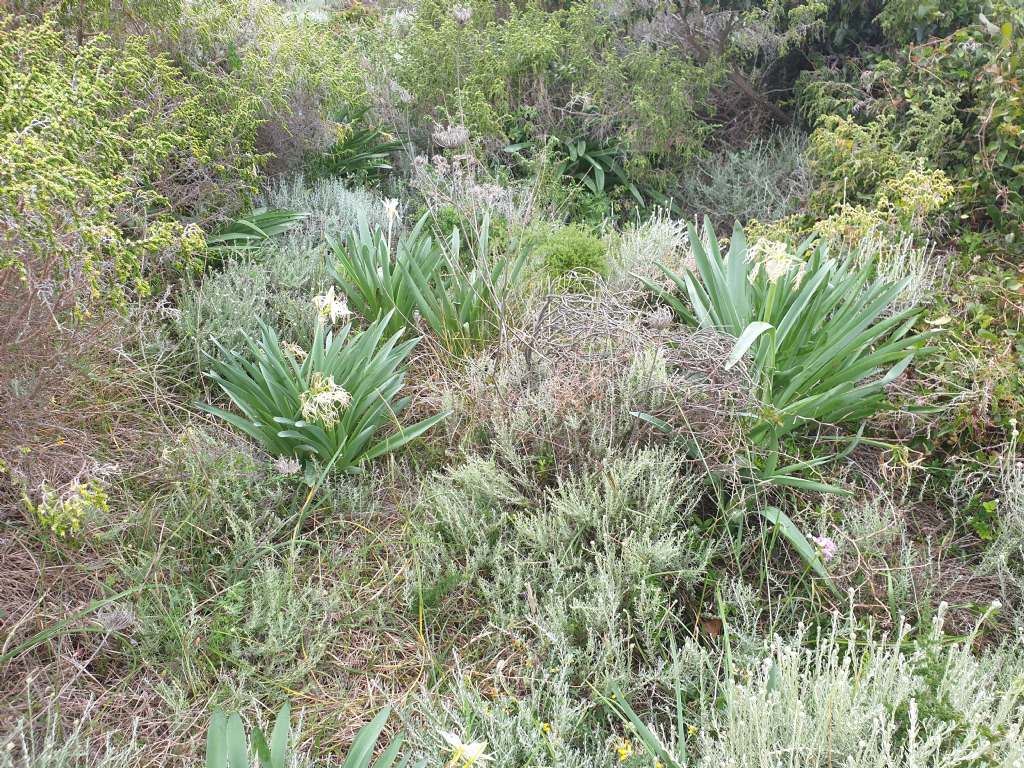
x=63 y=513
x=572 y=257
x=103 y=148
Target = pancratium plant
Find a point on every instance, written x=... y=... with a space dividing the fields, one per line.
x=819 y=336
x=378 y=279
x=818 y=333
x=337 y=403
x=461 y=293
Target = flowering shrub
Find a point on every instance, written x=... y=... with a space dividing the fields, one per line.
x=63 y=514
x=101 y=147
x=954 y=103
x=331 y=404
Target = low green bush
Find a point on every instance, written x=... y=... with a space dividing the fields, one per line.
x=598 y=564
x=333 y=208
x=270 y=621
x=573 y=257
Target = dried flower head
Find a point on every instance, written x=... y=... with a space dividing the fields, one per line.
x=287 y=465
x=451 y=136
x=294 y=350
x=400 y=93
x=324 y=401
x=659 y=319
x=116 y=618
x=440 y=163
x=462 y=14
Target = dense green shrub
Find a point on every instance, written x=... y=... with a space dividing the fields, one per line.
x=480 y=71
x=104 y=148
x=573 y=257
x=89 y=18
x=293 y=67
x=906 y=21
x=954 y=105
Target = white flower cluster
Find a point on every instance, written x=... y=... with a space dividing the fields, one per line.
x=331 y=307
x=324 y=401
x=773 y=258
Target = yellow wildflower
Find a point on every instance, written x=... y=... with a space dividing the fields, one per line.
x=625 y=750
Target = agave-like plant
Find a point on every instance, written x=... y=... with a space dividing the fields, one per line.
x=361 y=152
x=227 y=746
x=819 y=333
x=251 y=231
x=336 y=403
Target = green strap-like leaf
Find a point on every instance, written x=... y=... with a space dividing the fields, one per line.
x=800 y=544
x=361 y=751
x=750 y=334
x=216 y=741
x=279 y=738
x=238 y=752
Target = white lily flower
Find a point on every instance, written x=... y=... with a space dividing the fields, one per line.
x=773 y=258
x=324 y=401
x=331 y=307
x=464 y=754
x=391 y=208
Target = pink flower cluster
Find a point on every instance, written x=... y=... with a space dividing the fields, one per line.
x=826 y=545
